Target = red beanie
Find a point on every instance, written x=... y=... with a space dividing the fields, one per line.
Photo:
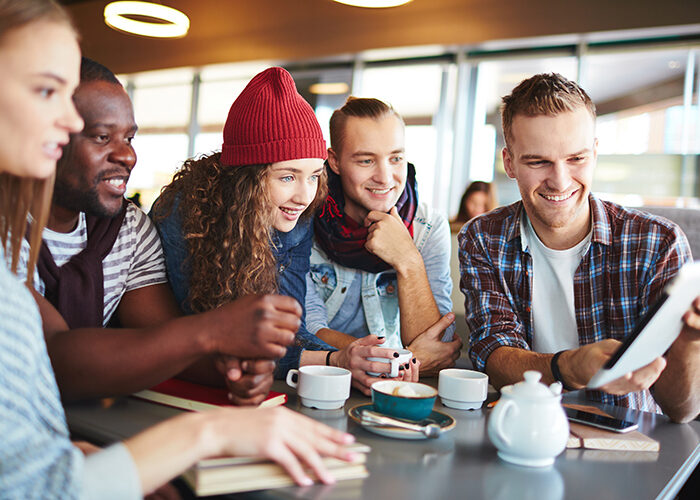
x=271 y=122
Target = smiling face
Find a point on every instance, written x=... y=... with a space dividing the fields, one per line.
x=476 y=204
x=292 y=186
x=98 y=161
x=552 y=158
x=371 y=164
x=39 y=64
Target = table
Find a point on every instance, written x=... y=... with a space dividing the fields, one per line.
x=462 y=463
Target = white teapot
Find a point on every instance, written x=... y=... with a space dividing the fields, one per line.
x=528 y=425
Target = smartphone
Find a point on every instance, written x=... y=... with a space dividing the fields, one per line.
x=600 y=421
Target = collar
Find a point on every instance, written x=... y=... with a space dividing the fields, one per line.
x=602 y=232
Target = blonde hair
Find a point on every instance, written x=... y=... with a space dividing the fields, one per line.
x=26 y=198
x=358 y=107
x=545 y=94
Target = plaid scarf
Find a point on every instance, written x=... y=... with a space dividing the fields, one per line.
x=343 y=239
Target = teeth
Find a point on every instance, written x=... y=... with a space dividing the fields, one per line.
x=557 y=198
x=380 y=191
x=290 y=211
x=116 y=182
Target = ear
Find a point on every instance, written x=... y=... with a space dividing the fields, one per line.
x=333 y=161
x=595 y=149
x=507 y=162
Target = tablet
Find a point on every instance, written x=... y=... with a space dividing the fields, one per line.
x=656 y=331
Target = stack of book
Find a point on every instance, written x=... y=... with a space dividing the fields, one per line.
x=235 y=474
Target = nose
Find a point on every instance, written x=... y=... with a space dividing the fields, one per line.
x=70 y=119
x=123 y=153
x=560 y=177
x=305 y=193
x=383 y=173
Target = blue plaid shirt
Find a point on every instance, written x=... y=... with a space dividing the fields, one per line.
x=631 y=258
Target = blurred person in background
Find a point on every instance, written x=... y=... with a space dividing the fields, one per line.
x=478 y=198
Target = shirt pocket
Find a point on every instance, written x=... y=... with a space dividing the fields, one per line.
x=323 y=276
x=386 y=285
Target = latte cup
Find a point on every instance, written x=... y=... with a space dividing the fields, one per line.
x=321 y=387
x=462 y=389
x=404 y=357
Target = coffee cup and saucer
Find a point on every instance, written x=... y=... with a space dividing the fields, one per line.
x=321 y=387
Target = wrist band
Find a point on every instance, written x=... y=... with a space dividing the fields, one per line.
x=554 y=365
x=328 y=358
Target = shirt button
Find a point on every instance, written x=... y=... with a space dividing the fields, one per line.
x=390 y=289
x=342 y=290
x=324 y=279
x=282 y=268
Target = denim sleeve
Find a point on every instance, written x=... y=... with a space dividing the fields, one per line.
x=316 y=314
x=436 y=258
x=175 y=251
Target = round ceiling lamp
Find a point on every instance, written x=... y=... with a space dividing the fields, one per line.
x=171 y=23
x=373 y=4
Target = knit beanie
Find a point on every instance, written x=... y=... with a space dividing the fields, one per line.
x=271 y=122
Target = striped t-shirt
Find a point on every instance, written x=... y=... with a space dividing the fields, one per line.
x=136 y=259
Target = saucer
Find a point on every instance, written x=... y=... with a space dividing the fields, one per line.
x=445 y=422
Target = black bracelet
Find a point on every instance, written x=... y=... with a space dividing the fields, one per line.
x=554 y=365
x=328 y=358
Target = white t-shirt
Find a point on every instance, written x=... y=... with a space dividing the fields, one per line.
x=136 y=259
x=553 y=313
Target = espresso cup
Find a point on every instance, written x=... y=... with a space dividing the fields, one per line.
x=462 y=389
x=404 y=357
x=321 y=387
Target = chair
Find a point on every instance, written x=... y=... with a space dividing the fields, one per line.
x=687 y=218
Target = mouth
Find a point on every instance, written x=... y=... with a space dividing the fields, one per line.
x=380 y=191
x=291 y=213
x=53 y=150
x=116 y=185
x=558 y=198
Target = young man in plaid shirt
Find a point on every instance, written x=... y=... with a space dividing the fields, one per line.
x=556 y=280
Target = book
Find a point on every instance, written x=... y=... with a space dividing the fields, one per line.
x=591 y=438
x=195 y=397
x=237 y=474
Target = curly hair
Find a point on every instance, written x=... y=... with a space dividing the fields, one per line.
x=227 y=219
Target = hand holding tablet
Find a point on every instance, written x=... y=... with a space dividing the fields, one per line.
x=656 y=331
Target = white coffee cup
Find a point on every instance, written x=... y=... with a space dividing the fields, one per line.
x=404 y=356
x=462 y=389
x=321 y=387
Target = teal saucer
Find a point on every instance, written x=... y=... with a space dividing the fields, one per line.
x=445 y=422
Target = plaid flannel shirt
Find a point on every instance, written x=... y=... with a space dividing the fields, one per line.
x=631 y=258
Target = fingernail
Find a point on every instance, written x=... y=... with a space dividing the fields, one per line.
x=352 y=456
x=396 y=354
x=401 y=367
x=407 y=365
x=414 y=361
x=382 y=375
x=306 y=481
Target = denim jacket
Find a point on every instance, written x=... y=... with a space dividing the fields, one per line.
x=379 y=293
x=291 y=251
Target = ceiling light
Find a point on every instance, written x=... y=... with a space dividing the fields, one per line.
x=173 y=23
x=334 y=88
x=373 y=4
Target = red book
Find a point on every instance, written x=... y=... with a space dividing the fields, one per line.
x=196 y=397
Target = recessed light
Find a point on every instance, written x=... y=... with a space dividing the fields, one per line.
x=373 y=4
x=171 y=23
x=329 y=88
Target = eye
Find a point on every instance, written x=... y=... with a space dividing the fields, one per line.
x=287 y=178
x=397 y=159
x=315 y=177
x=537 y=163
x=365 y=161
x=578 y=159
x=46 y=92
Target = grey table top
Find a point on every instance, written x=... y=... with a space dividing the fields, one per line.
x=462 y=463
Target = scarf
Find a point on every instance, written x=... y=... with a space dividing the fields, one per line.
x=76 y=289
x=343 y=239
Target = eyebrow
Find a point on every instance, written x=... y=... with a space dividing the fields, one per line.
x=369 y=153
x=53 y=76
x=294 y=170
x=540 y=157
x=108 y=125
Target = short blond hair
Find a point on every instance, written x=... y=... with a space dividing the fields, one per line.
x=545 y=94
x=359 y=107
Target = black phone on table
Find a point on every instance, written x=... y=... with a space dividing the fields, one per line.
x=600 y=421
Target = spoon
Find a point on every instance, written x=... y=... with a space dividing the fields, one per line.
x=376 y=419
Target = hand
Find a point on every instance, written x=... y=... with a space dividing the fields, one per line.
x=85 y=447
x=354 y=358
x=579 y=365
x=433 y=353
x=410 y=372
x=389 y=239
x=248 y=381
x=253 y=326
x=284 y=436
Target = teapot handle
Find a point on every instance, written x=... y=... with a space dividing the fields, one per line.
x=499 y=417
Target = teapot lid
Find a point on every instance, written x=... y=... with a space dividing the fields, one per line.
x=531 y=388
